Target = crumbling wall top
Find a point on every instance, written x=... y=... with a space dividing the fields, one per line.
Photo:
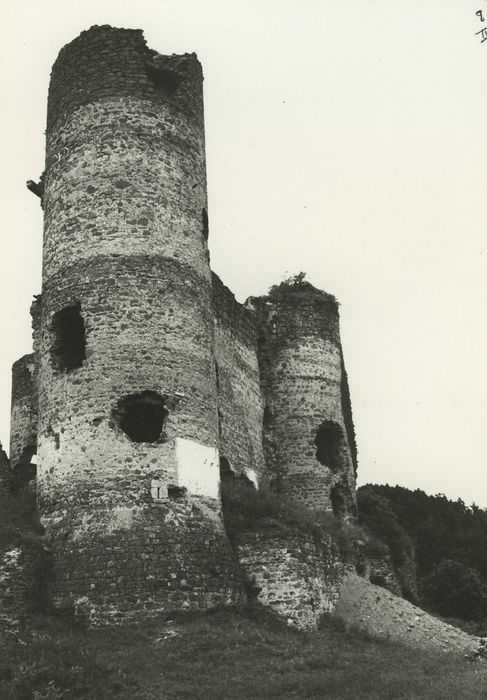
x=106 y=61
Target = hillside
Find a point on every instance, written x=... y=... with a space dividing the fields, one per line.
x=226 y=655
x=446 y=540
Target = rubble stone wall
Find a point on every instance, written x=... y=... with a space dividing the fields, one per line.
x=148 y=372
x=301 y=373
x=23 y=422
x=240 y=403
x=292 y=574
x=125 y=253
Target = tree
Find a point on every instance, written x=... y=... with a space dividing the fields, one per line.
x=455 y=590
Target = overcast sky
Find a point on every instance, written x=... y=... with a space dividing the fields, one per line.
x=347 y=140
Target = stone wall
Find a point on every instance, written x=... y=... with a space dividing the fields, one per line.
x=149 y=376
x=293 y=574
x=23 y=422
x=21 y=551
x=128 y=472
x=240 y=403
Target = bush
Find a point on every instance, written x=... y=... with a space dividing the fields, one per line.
x=377 y=515
x=455 y=590
x=248 y=509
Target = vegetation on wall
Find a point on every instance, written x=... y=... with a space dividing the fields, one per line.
x=247 y=509
x=296 y=283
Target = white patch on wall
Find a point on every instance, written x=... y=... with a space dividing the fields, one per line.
x=198 y=468
x=252 y=476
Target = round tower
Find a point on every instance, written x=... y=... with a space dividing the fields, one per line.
x=308 y=431
x=23 y=423
x=128 y=426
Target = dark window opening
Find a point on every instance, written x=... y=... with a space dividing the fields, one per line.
x=204 y=220
x=166 y=80
x=338 y=501
x=176 y=491
x=142 y=416
x=69 y=346
x=329 y=445
x=360 y=568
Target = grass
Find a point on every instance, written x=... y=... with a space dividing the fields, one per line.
x=225 y=655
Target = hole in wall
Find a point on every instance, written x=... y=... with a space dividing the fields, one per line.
x=167 y=81
x=360 y=568
x=68 y=349
x=176 y=491
x=330 y=445
x=142 y=416
x=204 y=221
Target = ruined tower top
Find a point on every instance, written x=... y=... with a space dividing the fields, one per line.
x=104 y=61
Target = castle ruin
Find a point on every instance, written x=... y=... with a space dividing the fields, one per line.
x=149 y=383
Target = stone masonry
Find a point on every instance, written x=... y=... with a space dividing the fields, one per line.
x=147 y=374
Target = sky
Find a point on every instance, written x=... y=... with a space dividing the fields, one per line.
x=346 y=140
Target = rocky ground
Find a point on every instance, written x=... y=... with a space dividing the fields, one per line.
x=384 y=615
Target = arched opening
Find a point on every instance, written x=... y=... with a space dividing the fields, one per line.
x=330 y=446
x=142 y=416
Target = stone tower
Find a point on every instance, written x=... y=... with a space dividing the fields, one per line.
x=309 y=436
x=128 y=428
x=151 y=388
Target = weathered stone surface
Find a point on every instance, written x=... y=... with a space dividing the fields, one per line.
x=125 y=243
x=23 y=422
x=304 y=385
x=292 y=574
x=147 y=373
x=240 y=400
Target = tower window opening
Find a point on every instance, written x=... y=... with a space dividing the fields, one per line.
x=167 y=81
x=69 y=346
x=330 y=445
x=204 y=221
x=142 y=416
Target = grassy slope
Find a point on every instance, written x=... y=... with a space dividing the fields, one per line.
x=225 y=655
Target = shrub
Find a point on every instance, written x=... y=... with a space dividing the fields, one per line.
x=455 y=590
x=248 y=509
